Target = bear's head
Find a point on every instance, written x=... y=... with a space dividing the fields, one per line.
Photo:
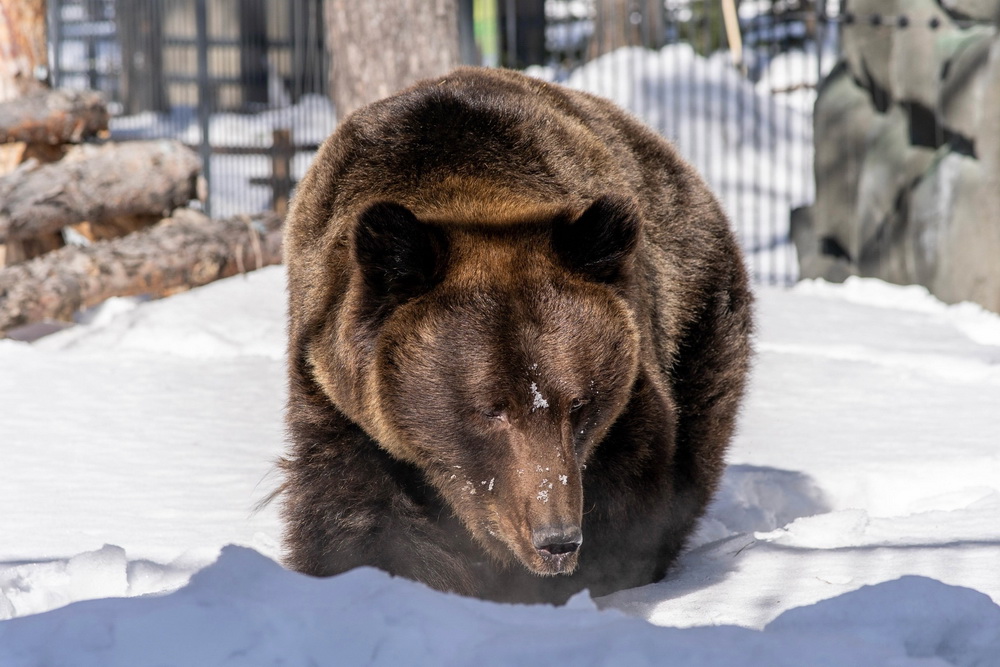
x=495 y=358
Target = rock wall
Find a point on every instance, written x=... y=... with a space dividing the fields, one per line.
x=907 y=162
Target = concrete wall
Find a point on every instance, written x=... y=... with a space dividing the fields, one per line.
x=907 y=163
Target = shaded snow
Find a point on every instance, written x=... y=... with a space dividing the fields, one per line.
x=136 y=447
x=245 y=610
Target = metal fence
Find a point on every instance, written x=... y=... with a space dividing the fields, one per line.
x=244 y=82
x=241 y=81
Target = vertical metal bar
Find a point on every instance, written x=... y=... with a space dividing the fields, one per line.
x=511 y=29
x=821 y=39
x=297 y=49
x=323 y=62
x=91 y=41
x=282 y=152
x=740 y=210
x=777 y=157
x=56 y=39
x=204 y=99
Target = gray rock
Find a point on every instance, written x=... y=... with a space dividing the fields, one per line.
x=917 y=54
x=907 y=155
x=962 y=75
x=867 y=48
x=842 y=121
x=932 y=206
x=890 y=168
x=988 y=133
x=966 y=239
x=815 y=260
x=980 y=10
x=971 y=269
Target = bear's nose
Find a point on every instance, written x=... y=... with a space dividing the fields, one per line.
x=557 y=540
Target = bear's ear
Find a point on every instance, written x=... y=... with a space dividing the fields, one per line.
x=600 y=242
x=399 y=256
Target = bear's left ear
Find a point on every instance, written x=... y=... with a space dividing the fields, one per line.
x=601 y=241
x=399 y=256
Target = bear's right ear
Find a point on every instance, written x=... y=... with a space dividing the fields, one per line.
x=600 y=242
x=399 y=256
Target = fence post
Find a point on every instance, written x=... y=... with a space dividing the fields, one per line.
x=93 y=9
x=820 y=40
x=282 y=151
x=55 y=38
x=204 y=100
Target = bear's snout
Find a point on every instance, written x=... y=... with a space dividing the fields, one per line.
x=557 y=545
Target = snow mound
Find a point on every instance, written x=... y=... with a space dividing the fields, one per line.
x=925 y=617
x=33 y=588
x=246 y=610
x=189 y=324
x=758 y=499
x=979 y=324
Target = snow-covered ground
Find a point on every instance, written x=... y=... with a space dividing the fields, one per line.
x=858 y=524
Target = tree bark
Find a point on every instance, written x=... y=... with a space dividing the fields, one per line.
x=142 y=55
x=253 y=53
x=23 y=49
x=377 y=48
x=612 y=29
x=97 y=184
x=619 y=23
x=527 y=45
x=53 y=117
x=23 y=60
x=187 y=250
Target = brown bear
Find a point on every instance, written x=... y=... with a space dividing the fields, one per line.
x=518 y=338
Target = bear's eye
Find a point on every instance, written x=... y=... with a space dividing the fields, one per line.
x=496 y=414
x=578 y=403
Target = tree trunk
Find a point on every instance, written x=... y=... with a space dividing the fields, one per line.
x=621 y=23
x=96 y=184
x=140 y=32
x=522 y=28
x=185 y=251
x=253 y=53
x=611 y=27
x=377 y=48
x=23 y=49
x=53 y=117
x=23 y=60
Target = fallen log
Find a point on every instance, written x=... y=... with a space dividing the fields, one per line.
x=184 y=251
x=53 y=117
x=97 y=184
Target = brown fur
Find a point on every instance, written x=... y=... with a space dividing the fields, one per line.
x=513 y=308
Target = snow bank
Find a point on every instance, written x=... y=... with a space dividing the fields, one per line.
x=246 y=610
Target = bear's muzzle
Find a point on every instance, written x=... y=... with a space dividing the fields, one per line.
x=557 y=546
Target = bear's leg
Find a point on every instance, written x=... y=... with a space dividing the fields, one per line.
x=709 y=382
x=347 y=503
